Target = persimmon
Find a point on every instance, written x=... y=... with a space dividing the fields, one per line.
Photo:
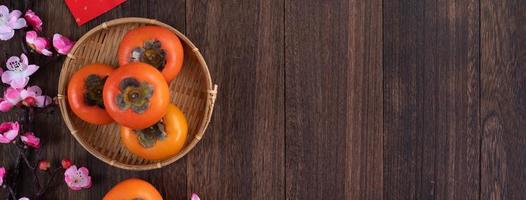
x=133 y=189
x=160 y=141
x=136 y=95
x=85 y=93
x=153 y=45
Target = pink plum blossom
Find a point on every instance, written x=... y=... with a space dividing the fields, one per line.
x=2 y=175
x=31 y=140
x=18 y=71
x=36 y=93
x=77 y=179
x=10 y=99
x=62 y=44
x=24 y=198
x=195 y=197
x=9 y=22
x=31 y=96
x=39 y=44
x=34 y=20
x=8 y=131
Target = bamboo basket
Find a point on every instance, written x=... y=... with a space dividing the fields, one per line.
x=192 y=91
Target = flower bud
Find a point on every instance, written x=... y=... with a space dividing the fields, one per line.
x=66 y=163
x=44 y=165
x=29 y=101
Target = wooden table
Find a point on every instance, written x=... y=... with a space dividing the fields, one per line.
x=332 y=99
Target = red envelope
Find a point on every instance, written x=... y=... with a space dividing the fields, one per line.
x=85 y=10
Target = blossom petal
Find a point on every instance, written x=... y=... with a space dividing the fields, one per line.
x=15 y=14
x=7 y=35
x=24 y=59
x=31 y=36
x=4 y=140
x=8 y=76
x=84 y=171
x=2 y=172
x=31 y=69
x=46 y=52
x=15 y=21
x=35 y=90
x=43 y=101
x=5 y=106
x=31 y=140
x=5 y=29
x=10 y=131
x=4 y=11
x=15 y=79
x=71 y=171
x=18 y=24
x=195 y=197
x=34 y=20
x=2 y=175
x=87 y=184
x=12 y=95
x=62 y=44
x=39 y=44
x=11 y=134
x=6 y=126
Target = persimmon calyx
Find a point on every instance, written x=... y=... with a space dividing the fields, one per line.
x=134 y=95
x=149 y=136
x=151 y=53
x=94 y=85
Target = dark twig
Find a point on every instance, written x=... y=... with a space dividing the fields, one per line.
x=15 y=176
x=11 y=192
x=48 y=183
x=22 y=153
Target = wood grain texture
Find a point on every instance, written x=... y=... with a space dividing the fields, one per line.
x=242 y=154
x=333 y=99
x=431 y=82
x=503 y=99
x=364 y=143
x=339 y=99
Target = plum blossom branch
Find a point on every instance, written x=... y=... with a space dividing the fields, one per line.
x=20 y=96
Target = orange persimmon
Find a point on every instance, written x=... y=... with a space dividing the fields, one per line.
x=153 y=45
x=160 y=141
x=132 y=189
x=136 y=95
x=85 y=93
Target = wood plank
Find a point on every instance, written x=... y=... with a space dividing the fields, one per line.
x=334 y=99
x=171 y=181
x=431 y=136
x=364 y=144
x=503 y=78
x=241 y=155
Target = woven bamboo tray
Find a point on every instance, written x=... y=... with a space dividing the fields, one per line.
x=192 y=91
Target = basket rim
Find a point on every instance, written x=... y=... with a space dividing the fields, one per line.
x=211 y=90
